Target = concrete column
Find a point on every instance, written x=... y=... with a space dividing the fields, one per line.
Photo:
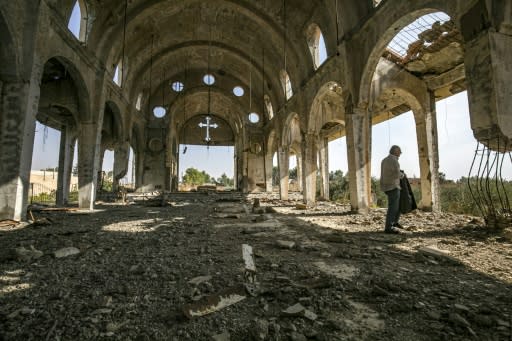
x=18 y=108
x=268 y=172
x=358 y=151
x=309 y=162
x=139 y=168
x=298 y=162
x=426 y=135
x=284 y=160
x=121 y=156
x=88 y=164
x=66 y=153
x=323 y=154
x=487 y=63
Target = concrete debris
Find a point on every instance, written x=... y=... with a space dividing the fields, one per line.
x=285 y=244
x=224 y=336
x=66 y=252
x=301 y=206
x=250 y=266
x=441 y=255
x=199 y=279
x=213 y=303
x=27 y=255
x=260 y=329
x=299 y=310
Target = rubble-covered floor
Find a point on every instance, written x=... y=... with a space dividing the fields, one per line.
x=136 y=267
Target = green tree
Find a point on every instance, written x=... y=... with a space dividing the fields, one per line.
x=275 y=176
x=292 y=173
x=225 y=180
x=195 y=177
x=338 y=186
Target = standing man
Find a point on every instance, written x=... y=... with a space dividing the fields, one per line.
x=390 y=175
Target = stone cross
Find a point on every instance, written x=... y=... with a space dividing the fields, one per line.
x=208 y=125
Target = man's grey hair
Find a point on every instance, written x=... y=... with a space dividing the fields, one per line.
x=394 y=149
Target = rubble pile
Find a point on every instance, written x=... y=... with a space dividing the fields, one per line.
x=210 y=267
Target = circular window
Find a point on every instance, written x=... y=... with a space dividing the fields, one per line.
x=208 y=79
x=159 y=112
x=254 y=117
x=177 y=86
x=238 y=91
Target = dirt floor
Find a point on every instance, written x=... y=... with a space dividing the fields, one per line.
x=132 y=272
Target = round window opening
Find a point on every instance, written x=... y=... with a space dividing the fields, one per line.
x=159 y=112
x=177 y=86
x=208 y=79
x=254 y=117
x=238 y=91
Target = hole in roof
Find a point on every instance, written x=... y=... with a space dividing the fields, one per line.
x=159 y=111
x=208 y=79
x=177 y=86
x=238 y=91
x=409 y=34
x=254 y=117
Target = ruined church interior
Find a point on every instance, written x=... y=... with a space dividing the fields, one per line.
x=270 y=258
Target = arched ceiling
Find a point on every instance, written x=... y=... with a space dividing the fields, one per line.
x=164 y=41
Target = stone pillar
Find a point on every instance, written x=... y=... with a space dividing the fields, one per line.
x=284 y=160
x=139 y=168
x=426 y=135
x=309 y=162
x=487 y=61
x=18 y=108
x=358 y=150
x=121 y=156
x=88 y=164
x=66 y=153
x=323 y=154
x=298 y=162
x=268 y=172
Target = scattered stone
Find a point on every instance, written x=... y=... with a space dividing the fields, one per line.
x=215 y=302
x=27 y=255
x=260 y=329
x=285 y=244
x=224 y=336
x=441 y=255
x=66 y=252
x=458 y=320
x=299 y=310
x=301 y=207
x=199 y=279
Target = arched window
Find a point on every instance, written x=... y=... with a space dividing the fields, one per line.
x=286 y=84
x=316 y=45
x=138 y=104
x=78 y=21
x=268 y=107
x=118 y=74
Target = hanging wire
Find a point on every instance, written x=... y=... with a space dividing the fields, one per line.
x=209 y=76
x=284 y=57
x=250 y=83
x=124 y=42
x=150 y=72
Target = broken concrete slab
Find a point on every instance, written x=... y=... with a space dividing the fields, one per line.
x=213 y=303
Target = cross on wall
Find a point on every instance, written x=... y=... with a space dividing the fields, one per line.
x=208 y=125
